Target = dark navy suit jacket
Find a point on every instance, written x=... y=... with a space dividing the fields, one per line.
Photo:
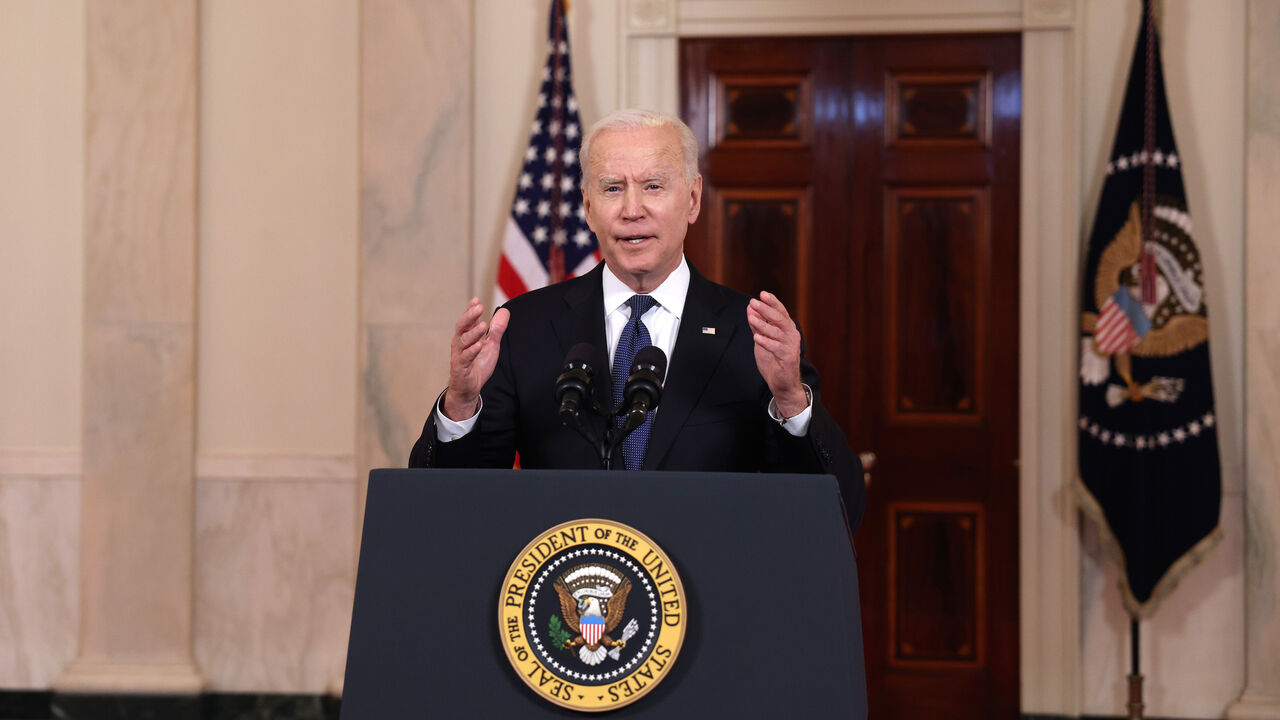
x=712 y=416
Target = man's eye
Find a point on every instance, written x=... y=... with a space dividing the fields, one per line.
x=653 y=186
x=611 y=189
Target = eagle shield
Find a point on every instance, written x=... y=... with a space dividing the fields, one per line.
x=592 y=628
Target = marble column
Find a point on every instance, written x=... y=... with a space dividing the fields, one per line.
x=1261 y=697
x=139 y=317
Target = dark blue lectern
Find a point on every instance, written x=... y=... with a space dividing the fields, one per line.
x=773 y=627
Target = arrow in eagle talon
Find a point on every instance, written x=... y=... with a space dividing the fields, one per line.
x=631 y=629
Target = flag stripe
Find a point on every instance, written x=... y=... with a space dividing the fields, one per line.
x=519 y=268
x=1114 y=332
x=509 y=282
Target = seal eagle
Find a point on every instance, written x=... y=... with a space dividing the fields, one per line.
x=1175 y=323
x=592 y=601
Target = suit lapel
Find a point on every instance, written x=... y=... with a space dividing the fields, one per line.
x=583 y=321
x=697 y=355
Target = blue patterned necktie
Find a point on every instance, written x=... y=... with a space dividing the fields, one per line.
x=634 y=336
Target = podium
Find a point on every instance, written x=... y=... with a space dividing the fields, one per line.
x=769 y=576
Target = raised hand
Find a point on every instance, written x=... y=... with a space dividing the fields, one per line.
x=777 y=349
x=472 y=354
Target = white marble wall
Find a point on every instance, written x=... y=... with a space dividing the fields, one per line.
x=42 y=84
x=274 y=578
x=39 y=567
x=279 y=246
x=1261 y=697
x=42 y=117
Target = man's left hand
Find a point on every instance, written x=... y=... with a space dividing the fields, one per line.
x=777 y=352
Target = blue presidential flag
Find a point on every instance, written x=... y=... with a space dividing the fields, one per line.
x=1149 y=469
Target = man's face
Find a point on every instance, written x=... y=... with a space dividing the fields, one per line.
x=639 y=204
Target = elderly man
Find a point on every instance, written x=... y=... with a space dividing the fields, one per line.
x=739 y=395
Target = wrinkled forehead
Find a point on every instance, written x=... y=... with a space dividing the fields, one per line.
x=642 y=151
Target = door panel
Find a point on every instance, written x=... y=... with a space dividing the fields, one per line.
x=938 y=109
x=770 y=231
x=872 y=183
x=935 y=585
x=937 y=249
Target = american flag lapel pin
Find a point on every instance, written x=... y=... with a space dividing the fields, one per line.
x=708 y=330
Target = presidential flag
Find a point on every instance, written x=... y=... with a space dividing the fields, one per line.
x=1149 y=470
x=546 y=238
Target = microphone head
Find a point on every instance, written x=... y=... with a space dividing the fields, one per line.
x=581 y=357
x=643 y=390
x=651 y=359
x=573 y=387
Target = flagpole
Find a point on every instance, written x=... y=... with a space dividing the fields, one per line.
x=1147 y=281
x=555 y=264
x=1148 y=272
x=1135 y=675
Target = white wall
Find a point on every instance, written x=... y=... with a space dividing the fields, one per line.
x=42 y=117
x=278 y=227
x=42 y=87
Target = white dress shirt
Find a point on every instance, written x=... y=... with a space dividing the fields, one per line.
x=663 y=319
x=663 y=323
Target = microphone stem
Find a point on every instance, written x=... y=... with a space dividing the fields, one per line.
x=605 y=448
x=574 y=420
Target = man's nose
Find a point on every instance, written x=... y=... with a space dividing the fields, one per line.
x=632 y=204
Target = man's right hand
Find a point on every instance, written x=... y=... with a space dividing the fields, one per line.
x=472 y=356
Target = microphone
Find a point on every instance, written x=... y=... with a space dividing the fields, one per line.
x=573 y=387
x=643 y=390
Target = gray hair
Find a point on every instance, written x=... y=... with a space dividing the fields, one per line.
x=633 y=119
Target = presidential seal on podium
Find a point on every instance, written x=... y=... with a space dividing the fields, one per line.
x=592 y=615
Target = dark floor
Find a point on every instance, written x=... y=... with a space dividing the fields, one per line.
x=28 y=705
x=37 y=705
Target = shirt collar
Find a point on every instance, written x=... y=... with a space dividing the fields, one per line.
x=670 y=294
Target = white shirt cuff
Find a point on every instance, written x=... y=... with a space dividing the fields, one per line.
x=448 y=430
x=797 y=425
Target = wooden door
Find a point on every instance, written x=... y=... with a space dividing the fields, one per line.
x=872 y=182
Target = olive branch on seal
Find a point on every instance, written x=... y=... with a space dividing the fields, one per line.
x=559 y=635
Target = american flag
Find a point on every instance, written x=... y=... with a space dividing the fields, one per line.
x=1121 y=323
x=547 y=238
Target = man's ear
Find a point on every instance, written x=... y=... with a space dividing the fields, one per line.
x=695 y=198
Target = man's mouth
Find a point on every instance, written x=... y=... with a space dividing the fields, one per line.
x=635 y=239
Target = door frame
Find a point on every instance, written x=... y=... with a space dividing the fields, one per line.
x=648 y=66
